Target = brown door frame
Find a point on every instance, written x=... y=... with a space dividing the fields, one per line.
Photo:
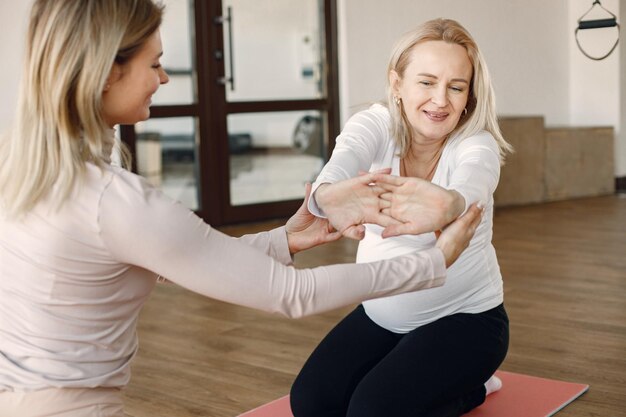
x=212 y=109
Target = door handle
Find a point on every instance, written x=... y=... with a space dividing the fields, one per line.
x=220 y=20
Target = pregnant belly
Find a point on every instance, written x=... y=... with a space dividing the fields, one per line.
x=405 y=312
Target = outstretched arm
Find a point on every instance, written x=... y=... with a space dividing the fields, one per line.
x=142 y=227
x=340 y=192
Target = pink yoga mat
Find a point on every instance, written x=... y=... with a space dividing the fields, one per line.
x=521 y=396
x=527 y=396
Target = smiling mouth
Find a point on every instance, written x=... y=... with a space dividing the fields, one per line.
x=436 y=116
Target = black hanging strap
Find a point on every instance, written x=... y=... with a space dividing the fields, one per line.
x=597 y=24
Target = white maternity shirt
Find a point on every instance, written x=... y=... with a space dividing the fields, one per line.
x=470 y=166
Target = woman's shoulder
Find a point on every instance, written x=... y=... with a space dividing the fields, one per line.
x=375 y=113
x=129 y=198
x=373 y=122
x=481 y=138
x=118 y=182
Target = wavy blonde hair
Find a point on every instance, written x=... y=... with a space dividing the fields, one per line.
x=481 y=104
x=70 y=50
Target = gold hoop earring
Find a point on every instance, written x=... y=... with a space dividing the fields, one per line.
x=465 y=111
x=398 y=100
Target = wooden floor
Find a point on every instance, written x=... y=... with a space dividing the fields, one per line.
x=564 y=266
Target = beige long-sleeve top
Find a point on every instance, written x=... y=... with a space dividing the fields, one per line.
x=73 y=280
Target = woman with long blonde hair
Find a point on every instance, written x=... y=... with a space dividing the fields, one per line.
x=82 y=241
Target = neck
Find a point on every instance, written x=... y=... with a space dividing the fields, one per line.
x=421 y=160
x=425 y=153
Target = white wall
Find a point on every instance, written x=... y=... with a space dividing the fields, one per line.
x=529 y=47
x=523 y=44
x=13 y=21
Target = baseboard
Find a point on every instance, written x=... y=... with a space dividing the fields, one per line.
x=620 y=185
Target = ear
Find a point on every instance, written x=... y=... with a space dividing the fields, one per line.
x=114 y=75
x=394 y=82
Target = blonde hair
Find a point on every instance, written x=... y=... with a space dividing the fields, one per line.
x=481 y=105
x=71 y=47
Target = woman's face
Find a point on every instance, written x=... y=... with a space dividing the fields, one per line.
x=434 y=89
x=128 y=95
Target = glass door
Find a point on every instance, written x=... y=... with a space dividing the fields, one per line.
x=278 y=102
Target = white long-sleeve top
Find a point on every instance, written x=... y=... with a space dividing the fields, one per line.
x=72 y=281
x=470 y=166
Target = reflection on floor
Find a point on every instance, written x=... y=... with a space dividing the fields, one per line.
x=254 y=178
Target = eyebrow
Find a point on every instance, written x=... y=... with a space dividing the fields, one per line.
x=458 y=80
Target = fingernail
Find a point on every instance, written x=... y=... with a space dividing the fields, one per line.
x=481 y=205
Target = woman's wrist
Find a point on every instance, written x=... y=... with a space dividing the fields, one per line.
x=456 y=206
x=320 y=196
x=292 y=242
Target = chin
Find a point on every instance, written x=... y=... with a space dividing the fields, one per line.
x=438 y=135
x=144 y=116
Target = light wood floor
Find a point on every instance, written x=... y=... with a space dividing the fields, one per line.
x=564 y=266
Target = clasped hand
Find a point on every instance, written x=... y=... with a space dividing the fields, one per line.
x=402 y=205
x=347 y=204
x=351 y=203
x=419 y=206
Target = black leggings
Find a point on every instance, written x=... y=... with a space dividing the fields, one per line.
x=438 y=370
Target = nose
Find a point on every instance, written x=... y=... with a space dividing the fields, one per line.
x=163 y=77
x=440 y=96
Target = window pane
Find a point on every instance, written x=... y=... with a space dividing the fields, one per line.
x=273 y=155
x=278 y=49
x=166 y=156
x=178 y=60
